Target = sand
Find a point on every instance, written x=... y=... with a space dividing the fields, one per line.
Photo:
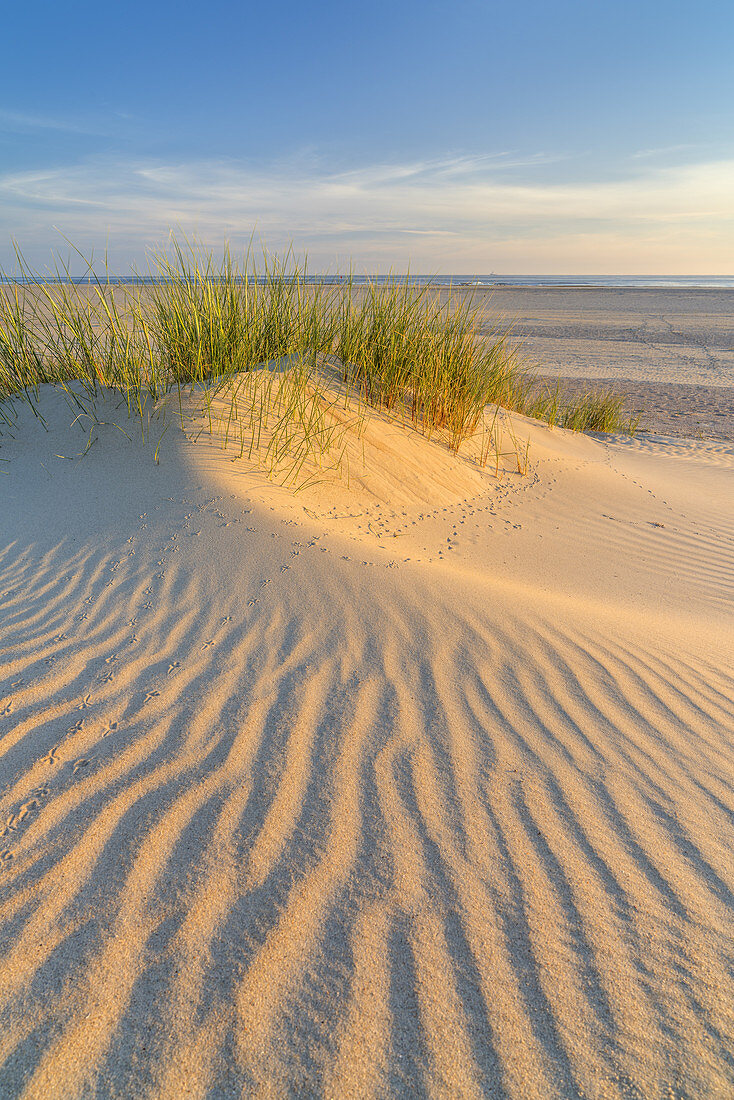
x=664 y=408
x=669 y=352
x=419 y=788
x=644 y=335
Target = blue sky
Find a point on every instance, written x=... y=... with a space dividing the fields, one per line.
x=534 y=136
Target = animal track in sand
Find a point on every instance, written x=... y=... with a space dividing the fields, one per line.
x=150 y=695
x=13 y=822
x=109 y=728
x=173 y=666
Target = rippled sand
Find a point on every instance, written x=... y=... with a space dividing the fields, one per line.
x=422 y=797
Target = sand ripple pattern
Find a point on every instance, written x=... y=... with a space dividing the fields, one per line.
x=251 y=849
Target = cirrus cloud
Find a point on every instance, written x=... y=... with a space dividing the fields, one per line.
x=458 y=213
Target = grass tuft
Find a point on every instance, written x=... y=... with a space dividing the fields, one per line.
x=214 y=329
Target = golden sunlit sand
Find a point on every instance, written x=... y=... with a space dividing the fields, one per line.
x=419 y=782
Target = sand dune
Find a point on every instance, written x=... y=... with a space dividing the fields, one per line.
x=434 y=799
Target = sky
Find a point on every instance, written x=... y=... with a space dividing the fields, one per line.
x=576 y=137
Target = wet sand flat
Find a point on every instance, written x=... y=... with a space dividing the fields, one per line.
x=682 y=336
x=669 y=352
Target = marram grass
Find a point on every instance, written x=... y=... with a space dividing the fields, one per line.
x=205 y=324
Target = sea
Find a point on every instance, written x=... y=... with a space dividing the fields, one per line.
x=639 y=282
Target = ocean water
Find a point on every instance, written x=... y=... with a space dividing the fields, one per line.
x=701 y=282
x=670 y=282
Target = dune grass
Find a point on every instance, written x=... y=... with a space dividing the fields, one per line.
x=205 y=324
x=593 y=411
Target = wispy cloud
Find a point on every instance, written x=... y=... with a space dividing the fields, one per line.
x=20 y=122
x=458 y=211
x=663 y=151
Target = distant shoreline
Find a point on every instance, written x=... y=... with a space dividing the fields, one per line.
x=468 y=283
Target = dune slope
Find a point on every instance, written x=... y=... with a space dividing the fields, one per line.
x=436 y=798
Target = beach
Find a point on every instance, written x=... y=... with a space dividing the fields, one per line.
x=418 y=782
x=644 y=335
x=670 y=352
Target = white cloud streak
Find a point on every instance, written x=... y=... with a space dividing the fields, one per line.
x=21 y=122
x=455 y=214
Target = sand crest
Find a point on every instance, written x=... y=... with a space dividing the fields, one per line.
x=431 y=797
